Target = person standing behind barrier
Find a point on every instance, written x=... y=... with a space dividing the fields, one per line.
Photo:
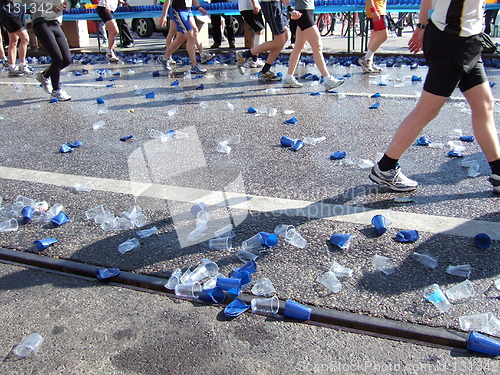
x=13 y=19
x=277 y=19
x=4 y=59
x=47 y=28
x=307 y=31
x=105 y=9
x=251 y=13
x=217 y=28
x=452 y=45
x=376 y=13
x=183 y=18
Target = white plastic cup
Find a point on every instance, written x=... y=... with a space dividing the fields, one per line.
x=462 y=270
x=330 y=281
x=29 y=344
x=461 y=291
x=174 y=279
x=186 y=290
x=222 y=243
x=245 y=255
x=294 y=238
x=282 y=229
x=435 y=295
x=383 y=264
x=10 y=225
x=265 y=305
x=253 y=243
x=263 y=287
x=208 y=269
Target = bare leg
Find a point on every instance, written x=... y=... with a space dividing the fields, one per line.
x=425 y=111
x=23 y=45
x=2 y=52
x=12 y=50
x=483 y=124
x=312 y=36
x=274 y=47
x=377 y=39
x=300 y=42
x=112 y=28
x=174 y=46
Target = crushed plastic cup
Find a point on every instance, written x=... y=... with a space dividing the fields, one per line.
x=264 y=305
x=235 y=308
x=338 y=155
x=253 y=243
x=245 y=255
x=204 y=270
x=244 y=276
x=482 y=240
x=221 y=243
x=313 y=140
x=476 y=322
x=272 y=112
x=340 y=271
x=214 y=295
x=380 y=224
x=263 y=287
x=98 y=125
x=330 y=281
x=365 y=163
x=425 y=259
x=188 y=290
x=294 y=238
x=44 y=243
x=462 y=270
x=409 y=235
x=435 y=295
x=202 y=218
x=296 y=310
x=27 y=213
x=223 y=147
x=383 y=264
x=60 y=219
x=467 y=138
x=287 y=142
x=196 y=208
x=95 y=211
x=226 y=231
x=268 y=239
x=144 y=233
x=84 y=186
x=106 y=273
x=29 y=344
x=130 y=244
x=175 y=278
x=230 y=284
x=423 y=141
x=108 y=222
x=483 y=344
x=461 y=291
x=341 y=240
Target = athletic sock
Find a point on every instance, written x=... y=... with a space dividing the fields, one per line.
x=495 y=167
x=266 y=68
x=247 y=54
x=257 y=39
x=386 y=163
x=369 y=55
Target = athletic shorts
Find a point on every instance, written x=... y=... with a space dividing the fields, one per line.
x=306 y=20
x=13 y=18
x=104 y=14
x=275 y=15
x=380 y=25
x=181 y=19
x=452 y=61
x=255 y=21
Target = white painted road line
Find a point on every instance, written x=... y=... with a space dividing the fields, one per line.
x=269 y=205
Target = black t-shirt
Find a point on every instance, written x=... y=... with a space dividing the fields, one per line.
x=179 y=4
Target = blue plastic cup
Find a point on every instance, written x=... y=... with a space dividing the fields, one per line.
x=27 y=213
x=296 y=310
x=229 y=284
x=106 y=273
x=379 y=223
x=249 y=267
x=297 y=145
x=483 y=344
x=197 y=208
x=467 y=138
x=341 y=240
x=287 y=142
x=235 y=308
x=60 y=219
x=244 y=276
x=268 y=239
x=46 y=242
x=482 y=240
x=215 y=295
x=407 y=236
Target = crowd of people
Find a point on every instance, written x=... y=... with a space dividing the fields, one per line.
x=449 y=33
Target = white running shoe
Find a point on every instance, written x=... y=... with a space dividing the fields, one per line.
x=332 y=82
x=255 y=64
x=291 y=82
x=46 y=84
x=60 y=95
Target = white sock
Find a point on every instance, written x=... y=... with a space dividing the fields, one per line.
x=257 y=39
x=289 y=76
x=369 y=55
x=327 y=78
x=12 y=66
x=22 y=64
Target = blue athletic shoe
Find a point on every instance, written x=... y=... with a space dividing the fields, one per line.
x=164 y=63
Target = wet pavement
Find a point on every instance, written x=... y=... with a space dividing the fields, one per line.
x=258 y=185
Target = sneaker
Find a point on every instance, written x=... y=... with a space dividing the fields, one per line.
x=495 y=181
x=60 y=95
x=5 y=63
x=197 y=69
x=255 y=63
x=231 y=45
x=112 y=57
x=332 y=82
x=14 y=72
x=171 y=60
x=206 y=57
x=269 y=76
x=240 y=62
x=46 y=84
x=366 y=65
x=394 y=179
x=165 y=63
x=375 y=68
x=215 y=45
x=24 y=69
x=291 y=82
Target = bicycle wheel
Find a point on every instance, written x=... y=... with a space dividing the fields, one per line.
x=325 y=22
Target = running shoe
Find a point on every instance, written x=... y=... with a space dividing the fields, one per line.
x=5 y=63
x=112 y=57
x=394 y=179
x=206 y=57
x=332 y=82
x=255 y=63
x=366 y=65
x=197 y=69
x=269 y=76
x=240 y=62
x=15 y=72
x=495 y=181
x=164 y=63
x=46 y=84
x=25 y=69
x=60 y=95
x=291 y=82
